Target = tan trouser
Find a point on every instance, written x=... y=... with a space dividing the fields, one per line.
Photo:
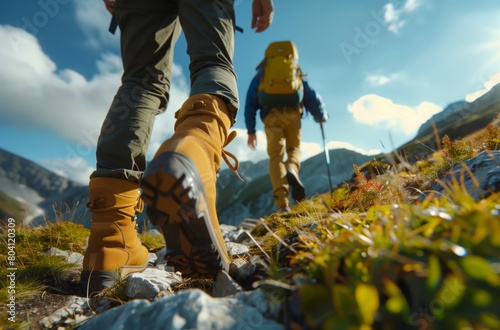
x=283 y=132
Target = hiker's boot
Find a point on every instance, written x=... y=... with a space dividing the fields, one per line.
x=114 y=250
x=179 y=187
x=284 y=209
x=298 y=191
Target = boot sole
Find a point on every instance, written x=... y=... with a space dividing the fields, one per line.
x=98 y=280
x=298 y=191
x=176 y=202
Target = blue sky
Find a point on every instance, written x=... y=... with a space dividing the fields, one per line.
x=382 y=67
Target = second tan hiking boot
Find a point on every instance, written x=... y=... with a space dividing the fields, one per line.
x=285 y=209
x=179 y=187
x=298 y=191
x=114 y=250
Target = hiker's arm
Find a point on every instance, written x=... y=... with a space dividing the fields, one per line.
x=314 y=104
x=110 y=5
x=251 y=106
x=262 y=14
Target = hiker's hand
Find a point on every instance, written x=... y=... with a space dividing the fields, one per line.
x=262 y=14
x=110 y=5
x=322 y=119
x=252 y=141
x=325 y=118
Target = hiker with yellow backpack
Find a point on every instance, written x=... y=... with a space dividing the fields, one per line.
x=280 y=92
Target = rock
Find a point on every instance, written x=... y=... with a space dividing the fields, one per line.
x=486 y=170
x=152 y=258
x=71 y=257
x=235 y=249
x=150 y=282
x=233 y=233
x=245 y=271
x=76 y=311
x=189 y=309
x=241 y=269
x=267 y=307
x=224 y=285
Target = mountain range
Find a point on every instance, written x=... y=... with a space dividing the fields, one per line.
x=37 y=195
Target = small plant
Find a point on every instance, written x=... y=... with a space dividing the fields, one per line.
x=382 y=190
x=457 y=151
x=491 y=137
x=152 y=242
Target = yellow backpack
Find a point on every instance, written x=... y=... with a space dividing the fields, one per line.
x=281 y=81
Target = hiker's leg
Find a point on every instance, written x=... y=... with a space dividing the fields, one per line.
x=123 y=141
x=179 y=185
x=147 y=53
x=209 y=30
x=293 y=132
x=274 y=128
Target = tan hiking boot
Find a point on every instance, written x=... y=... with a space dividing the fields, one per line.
x=285 y=209
x=298 y=191
x=114 y=250
x=179 y=187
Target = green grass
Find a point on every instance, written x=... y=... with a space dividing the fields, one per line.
x=33 y=268
x=36 y=272
x=151 y=242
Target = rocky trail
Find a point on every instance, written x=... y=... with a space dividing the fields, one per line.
x=160 y=297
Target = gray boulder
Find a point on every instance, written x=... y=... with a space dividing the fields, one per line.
x=190 y=309
x=485 y=168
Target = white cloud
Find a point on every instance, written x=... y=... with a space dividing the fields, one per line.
x=495 y=79
x=390 y=13
x=309 y=149
x=109 y=64
x=380 y=79
x=75 y=169
x=395 y=17
x=35 y=94
x=411 y=5
x=94 y=20
x=242 y=151
x=392 y=18
x=374 y=110
x=377 y=80
x=346 y=145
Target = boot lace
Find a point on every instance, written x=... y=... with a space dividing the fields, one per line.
x=226 y=155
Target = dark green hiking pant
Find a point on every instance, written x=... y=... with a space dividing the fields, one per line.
x=149 y=30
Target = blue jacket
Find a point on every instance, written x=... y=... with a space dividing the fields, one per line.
x=312 y=102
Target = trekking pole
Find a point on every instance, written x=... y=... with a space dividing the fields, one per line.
x=327 y=157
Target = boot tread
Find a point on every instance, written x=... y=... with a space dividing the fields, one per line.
x=176 y=202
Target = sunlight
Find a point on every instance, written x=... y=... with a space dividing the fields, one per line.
x=492 y=45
